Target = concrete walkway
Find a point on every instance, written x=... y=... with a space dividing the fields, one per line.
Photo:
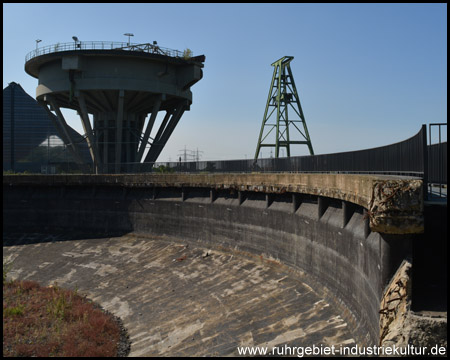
x=178 y=300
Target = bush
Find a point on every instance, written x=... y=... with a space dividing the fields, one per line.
x=187 y=54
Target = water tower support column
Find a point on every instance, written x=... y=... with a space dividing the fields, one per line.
x=164 y=131
x=149 y=128
x=62 y=124
x=88 y=130
x=119 y=130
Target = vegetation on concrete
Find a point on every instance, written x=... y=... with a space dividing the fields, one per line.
x=11 y=172
x=161 y=169
x=187 y=54
x=58 y=171
x=51 y=321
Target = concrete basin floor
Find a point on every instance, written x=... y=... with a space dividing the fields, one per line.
x=178 y=299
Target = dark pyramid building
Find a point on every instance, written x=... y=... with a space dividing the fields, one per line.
x=31 y=141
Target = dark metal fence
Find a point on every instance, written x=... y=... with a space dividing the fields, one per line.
x=411 y=157
x=407 y=157
x=437 y=163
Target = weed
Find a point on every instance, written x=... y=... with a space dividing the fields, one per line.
x=59 y=303
x=14 y=311
x=187 y=54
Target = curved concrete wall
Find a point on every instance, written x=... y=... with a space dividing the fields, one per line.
x=327 y=238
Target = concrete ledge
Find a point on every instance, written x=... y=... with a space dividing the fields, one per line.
x=394 y=204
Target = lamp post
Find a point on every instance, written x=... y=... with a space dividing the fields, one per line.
x=76 y=41
x=37 y=42
x=128 y=34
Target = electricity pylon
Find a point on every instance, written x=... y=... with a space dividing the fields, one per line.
x=283 y=95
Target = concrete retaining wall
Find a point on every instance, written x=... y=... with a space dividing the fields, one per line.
x=327 y=238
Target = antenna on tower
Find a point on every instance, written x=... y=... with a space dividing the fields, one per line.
x=283 y=96
x=128 y=34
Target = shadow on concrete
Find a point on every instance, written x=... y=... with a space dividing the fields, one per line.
x=13 y=237
x=430 y=272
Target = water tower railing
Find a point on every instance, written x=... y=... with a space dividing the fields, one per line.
x=104 y=45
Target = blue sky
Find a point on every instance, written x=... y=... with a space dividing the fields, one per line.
x=367 y=74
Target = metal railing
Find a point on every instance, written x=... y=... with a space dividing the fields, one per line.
x=402 y=158
x=106 y=45
x=437 y=164
x=407 y=158
x=412 y=157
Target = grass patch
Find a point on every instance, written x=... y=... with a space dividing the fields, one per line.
x=51 y=321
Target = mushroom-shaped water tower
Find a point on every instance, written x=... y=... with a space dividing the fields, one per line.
x=118 y=85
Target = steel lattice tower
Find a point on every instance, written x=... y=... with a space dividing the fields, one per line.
x=282 y=96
